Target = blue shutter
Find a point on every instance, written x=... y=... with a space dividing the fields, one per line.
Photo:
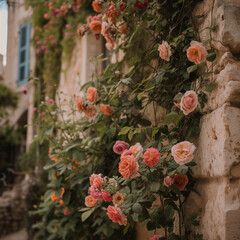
x=23 y=53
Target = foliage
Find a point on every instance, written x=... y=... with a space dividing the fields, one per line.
x=8 y=99
x=136 y=85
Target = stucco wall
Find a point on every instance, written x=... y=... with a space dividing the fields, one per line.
x=17 y=15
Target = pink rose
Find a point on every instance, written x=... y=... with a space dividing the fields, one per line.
x=155 y=237
x=24 y=91
x=94 y=191
x=183 y=152
x=137 y=149
x=196 y=53
x=116 y=215
x=96 y=179
x=168 y=181
x=51 y=101
x=120 y=146
x=106 y=196
x=151 y=157
x=189 y=102
x=164 y=51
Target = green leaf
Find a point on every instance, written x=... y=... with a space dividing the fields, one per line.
x=210 y=87
x=58 y=193
x=207 y=74
x=140 y=95
x=124 y=130
x=170 y=117
x=87 y=214
x=129 y=71
x=155 y=186
x=137 y=208
x=178 y=96
x=211 y=55
x=182 y=169
x=126 y=80
x=169 y=212
x=131 y=134
x=192 y=68
x=66 y=197
x=48 y=194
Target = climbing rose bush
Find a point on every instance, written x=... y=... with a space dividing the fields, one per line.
x=119 y=161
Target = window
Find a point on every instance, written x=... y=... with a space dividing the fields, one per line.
x=23 y=53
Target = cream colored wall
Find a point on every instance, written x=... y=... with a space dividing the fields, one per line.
x=17 y=15
x=78 y=70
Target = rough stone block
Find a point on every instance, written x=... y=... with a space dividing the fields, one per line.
x=220 y=203
x=218 y=147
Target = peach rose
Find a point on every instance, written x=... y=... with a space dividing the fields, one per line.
x=96 y=6
x=196 y=53
x=110 y=41
x=118 y=198
x=137 y=149
x=122 y=27
x=168 y=181
x=115 y=214
x=180 y=181
x=189 y=102
x=90 y=201
x=120 y=146
x=96 y=27
x=112 y=13
x=92 y=94
x=128 y=167
x=151 y=157
x=106 y=109
x=164 y=51
x=79 y=104
x=127 y=153
x=90 y=111
x=105 y=27
x=183 y=152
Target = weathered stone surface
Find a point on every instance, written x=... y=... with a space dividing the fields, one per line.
x=227 y=78
x=220 y=203
x=219 y=144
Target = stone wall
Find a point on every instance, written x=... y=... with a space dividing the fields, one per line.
x=218 y=146
x=13 y=209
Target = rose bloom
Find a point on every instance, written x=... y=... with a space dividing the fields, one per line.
x=106 y=196
x=118 y=198
x=98 y=182
x=155 y=237
x=67 y=211
x=140 y=5
x=189 y=102
x=96 y=27
x=123 y=5
x=196 y=53
x=90 y=111
x=110 y=41
x=90 y=201
x=115 y=214
x=51 y=101
x=94 y=191
x=93 y=177
x=24 y=91
x=183 y=152
x=79 y=104
x=112 y=13
x=164 y=51
x=96 y=6
x=120 y=146
x=128 y=167
x=127 y=153
x=105 y=27
x=122 y=27
x=151 y=157
x=180 y=181
x=168 y=181
x=61 y=202
x=106 y=109
x=92 y=94
x=137 y=149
